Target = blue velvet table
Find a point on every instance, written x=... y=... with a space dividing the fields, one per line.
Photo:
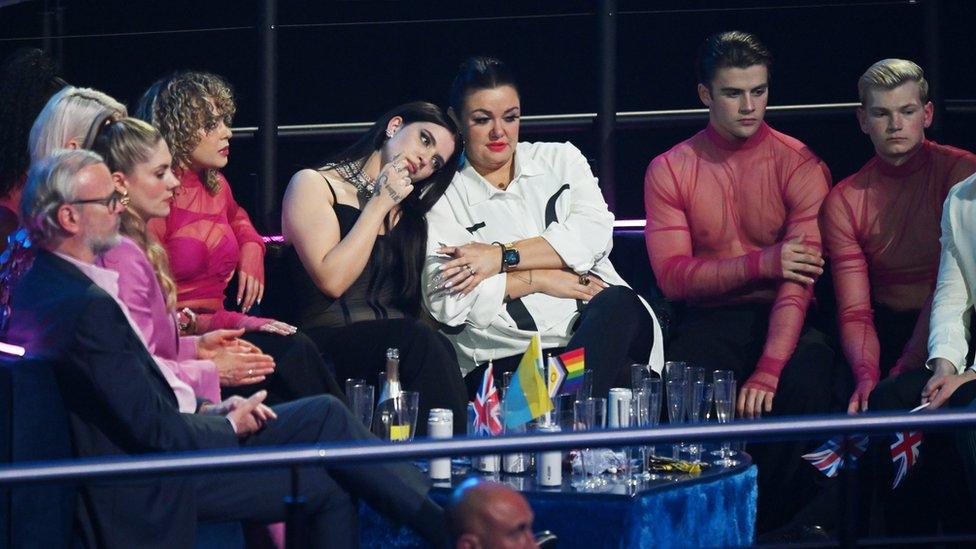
x=714 y=509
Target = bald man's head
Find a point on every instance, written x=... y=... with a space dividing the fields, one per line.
x=489 y=515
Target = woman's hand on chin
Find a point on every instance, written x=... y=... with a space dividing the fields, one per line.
x=393 y=184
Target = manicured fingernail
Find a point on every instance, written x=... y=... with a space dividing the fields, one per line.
x=448 y=284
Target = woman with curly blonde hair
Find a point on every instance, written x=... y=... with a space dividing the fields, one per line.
x=209 y=238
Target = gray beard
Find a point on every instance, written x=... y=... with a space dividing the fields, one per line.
x=99 y=246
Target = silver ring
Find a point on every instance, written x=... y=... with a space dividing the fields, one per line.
x=584 y=280
x=471 y=270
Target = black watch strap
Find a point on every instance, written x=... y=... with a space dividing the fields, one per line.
x=501 y=267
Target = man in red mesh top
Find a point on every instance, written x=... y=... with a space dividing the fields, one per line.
x=732 y=231
x=881 y=228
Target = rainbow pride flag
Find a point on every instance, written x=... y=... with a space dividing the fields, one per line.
x=573 y=364
x=527 y=397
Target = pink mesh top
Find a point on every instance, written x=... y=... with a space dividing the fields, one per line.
x=205 y=237
x=717 y=215
x=881 y=230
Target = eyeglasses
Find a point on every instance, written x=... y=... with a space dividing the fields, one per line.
x=111 y=201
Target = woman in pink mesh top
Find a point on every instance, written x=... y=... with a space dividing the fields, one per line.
x=210 y=239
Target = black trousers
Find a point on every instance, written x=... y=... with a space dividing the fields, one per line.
x=894 y=330
x=614 y=328
x=934 y=491
x=732 y=338
x=299 y=372
x=397 y=490
x=427 y=361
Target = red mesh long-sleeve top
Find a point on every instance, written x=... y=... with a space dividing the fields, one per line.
x=881 y=231
x=717 y=214
x=204 y=235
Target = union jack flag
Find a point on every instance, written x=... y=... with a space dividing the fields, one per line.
x=487 y=410
x=904 y=453
x=829 y=458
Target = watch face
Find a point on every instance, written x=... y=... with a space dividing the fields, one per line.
x=511 y=257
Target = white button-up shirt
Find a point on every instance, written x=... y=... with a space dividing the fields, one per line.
x=553 y=195
x=955 y=289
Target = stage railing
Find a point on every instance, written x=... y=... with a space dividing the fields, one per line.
x=800 y=428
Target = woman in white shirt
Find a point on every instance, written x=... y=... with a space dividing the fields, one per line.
x=519 y=244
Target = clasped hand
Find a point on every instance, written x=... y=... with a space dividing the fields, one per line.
x=468 y=266
x=943 y=383
x=238 y=362
x=247 y=415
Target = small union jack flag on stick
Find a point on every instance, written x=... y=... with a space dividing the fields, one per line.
x=487 y=410
x=904 y=453
x=829 y=458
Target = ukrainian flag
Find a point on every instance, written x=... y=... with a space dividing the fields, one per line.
x=527 y=396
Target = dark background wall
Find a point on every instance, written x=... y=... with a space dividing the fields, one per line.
x=348 y=61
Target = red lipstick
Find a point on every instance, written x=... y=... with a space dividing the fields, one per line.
x=497 y=146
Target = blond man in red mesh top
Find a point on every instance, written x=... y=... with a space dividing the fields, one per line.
x=732 y=232
x=881 y=228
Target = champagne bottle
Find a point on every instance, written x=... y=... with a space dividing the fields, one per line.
x=391 y=423
x=393 y=388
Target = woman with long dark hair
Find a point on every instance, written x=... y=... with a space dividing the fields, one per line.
x=358 y=234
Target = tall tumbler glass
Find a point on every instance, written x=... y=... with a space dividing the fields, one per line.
x=360 y=397
x=588 y=415
x=638 y=373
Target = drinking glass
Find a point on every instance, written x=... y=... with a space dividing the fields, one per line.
x=360 y=398
x=676 y=398
x=649 y=415
x=695 y=393
x=728 y=377
x=352 y=382
x=674 y=370
x=396 y=419
x=708 y=401
x=586 y=391
x=588 y=415
x=638 y=373
x=563 y=411
x=724 y=404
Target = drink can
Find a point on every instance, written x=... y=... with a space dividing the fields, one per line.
x=619 y=407
x=515 y=463
x=549 y=464
x=440 y=424
x=488 y=464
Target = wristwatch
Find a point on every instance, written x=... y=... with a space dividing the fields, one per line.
x=510 y=257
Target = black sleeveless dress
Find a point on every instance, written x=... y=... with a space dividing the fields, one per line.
x=355 y=330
